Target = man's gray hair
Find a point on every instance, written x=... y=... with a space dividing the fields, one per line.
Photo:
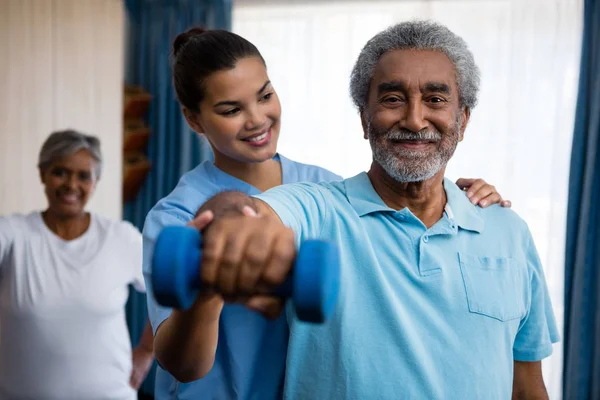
x=63 y=143
x=417 y=35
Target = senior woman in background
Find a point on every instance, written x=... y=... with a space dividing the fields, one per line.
x=64 y=276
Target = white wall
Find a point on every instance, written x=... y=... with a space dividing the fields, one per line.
x=61 y=66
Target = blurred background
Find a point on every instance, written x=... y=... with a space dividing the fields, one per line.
x=102 y=67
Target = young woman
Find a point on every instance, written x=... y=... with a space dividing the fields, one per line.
x=64 y=277
x=225 y=93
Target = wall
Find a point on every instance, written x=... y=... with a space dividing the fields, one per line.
x=62 y=67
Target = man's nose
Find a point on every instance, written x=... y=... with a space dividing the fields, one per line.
x=413 y=118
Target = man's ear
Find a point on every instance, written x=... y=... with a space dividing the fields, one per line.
x=42 y=179
x=365 y=124
x=193 y=120
x=466 y=114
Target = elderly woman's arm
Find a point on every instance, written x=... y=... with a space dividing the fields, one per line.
x=143 y=353
x=142 y=357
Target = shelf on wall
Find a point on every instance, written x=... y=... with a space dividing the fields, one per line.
x=135 y=170
x=136 y=133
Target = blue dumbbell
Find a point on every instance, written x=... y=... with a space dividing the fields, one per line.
x=313 y=285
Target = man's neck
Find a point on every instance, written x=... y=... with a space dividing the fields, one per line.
x=262 y=175
x=426 y=200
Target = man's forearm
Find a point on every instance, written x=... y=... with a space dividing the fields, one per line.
x=539 y=394
x=528 y=382
x=232 y=203
x=186 y=342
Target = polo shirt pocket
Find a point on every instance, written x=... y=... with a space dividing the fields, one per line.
x=494 y=286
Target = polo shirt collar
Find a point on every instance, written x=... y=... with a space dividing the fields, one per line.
x=460 y=208
x=365 y=200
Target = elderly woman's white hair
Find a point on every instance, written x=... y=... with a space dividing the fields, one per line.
x=417 y=35
x=63 y=143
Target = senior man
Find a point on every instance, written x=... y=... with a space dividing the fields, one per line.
x=439 y=299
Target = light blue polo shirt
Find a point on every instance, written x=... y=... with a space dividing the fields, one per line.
x=438 y=313
x=251 y=351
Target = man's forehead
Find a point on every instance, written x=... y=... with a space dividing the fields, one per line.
x=415 y=66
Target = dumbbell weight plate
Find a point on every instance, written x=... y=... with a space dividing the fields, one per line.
x=175 y=282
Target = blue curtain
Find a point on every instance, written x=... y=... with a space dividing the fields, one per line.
x=582 y=273
x=173 y=148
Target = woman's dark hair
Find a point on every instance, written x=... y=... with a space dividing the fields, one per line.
x=197 y=53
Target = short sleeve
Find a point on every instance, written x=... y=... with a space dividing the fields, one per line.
x=133 y=245
x=156 y=220
x=538 y=330
x=7 y=235
x=300 y=206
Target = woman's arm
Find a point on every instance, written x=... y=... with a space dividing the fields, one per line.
x=186 y=342
x=142 y=357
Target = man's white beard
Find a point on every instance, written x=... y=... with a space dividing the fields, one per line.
x=406 y=165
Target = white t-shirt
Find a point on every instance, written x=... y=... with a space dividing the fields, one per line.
x=63 y=332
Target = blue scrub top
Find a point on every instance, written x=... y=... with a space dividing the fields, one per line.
x=251 y=352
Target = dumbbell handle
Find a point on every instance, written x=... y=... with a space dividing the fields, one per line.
x=193 y=267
